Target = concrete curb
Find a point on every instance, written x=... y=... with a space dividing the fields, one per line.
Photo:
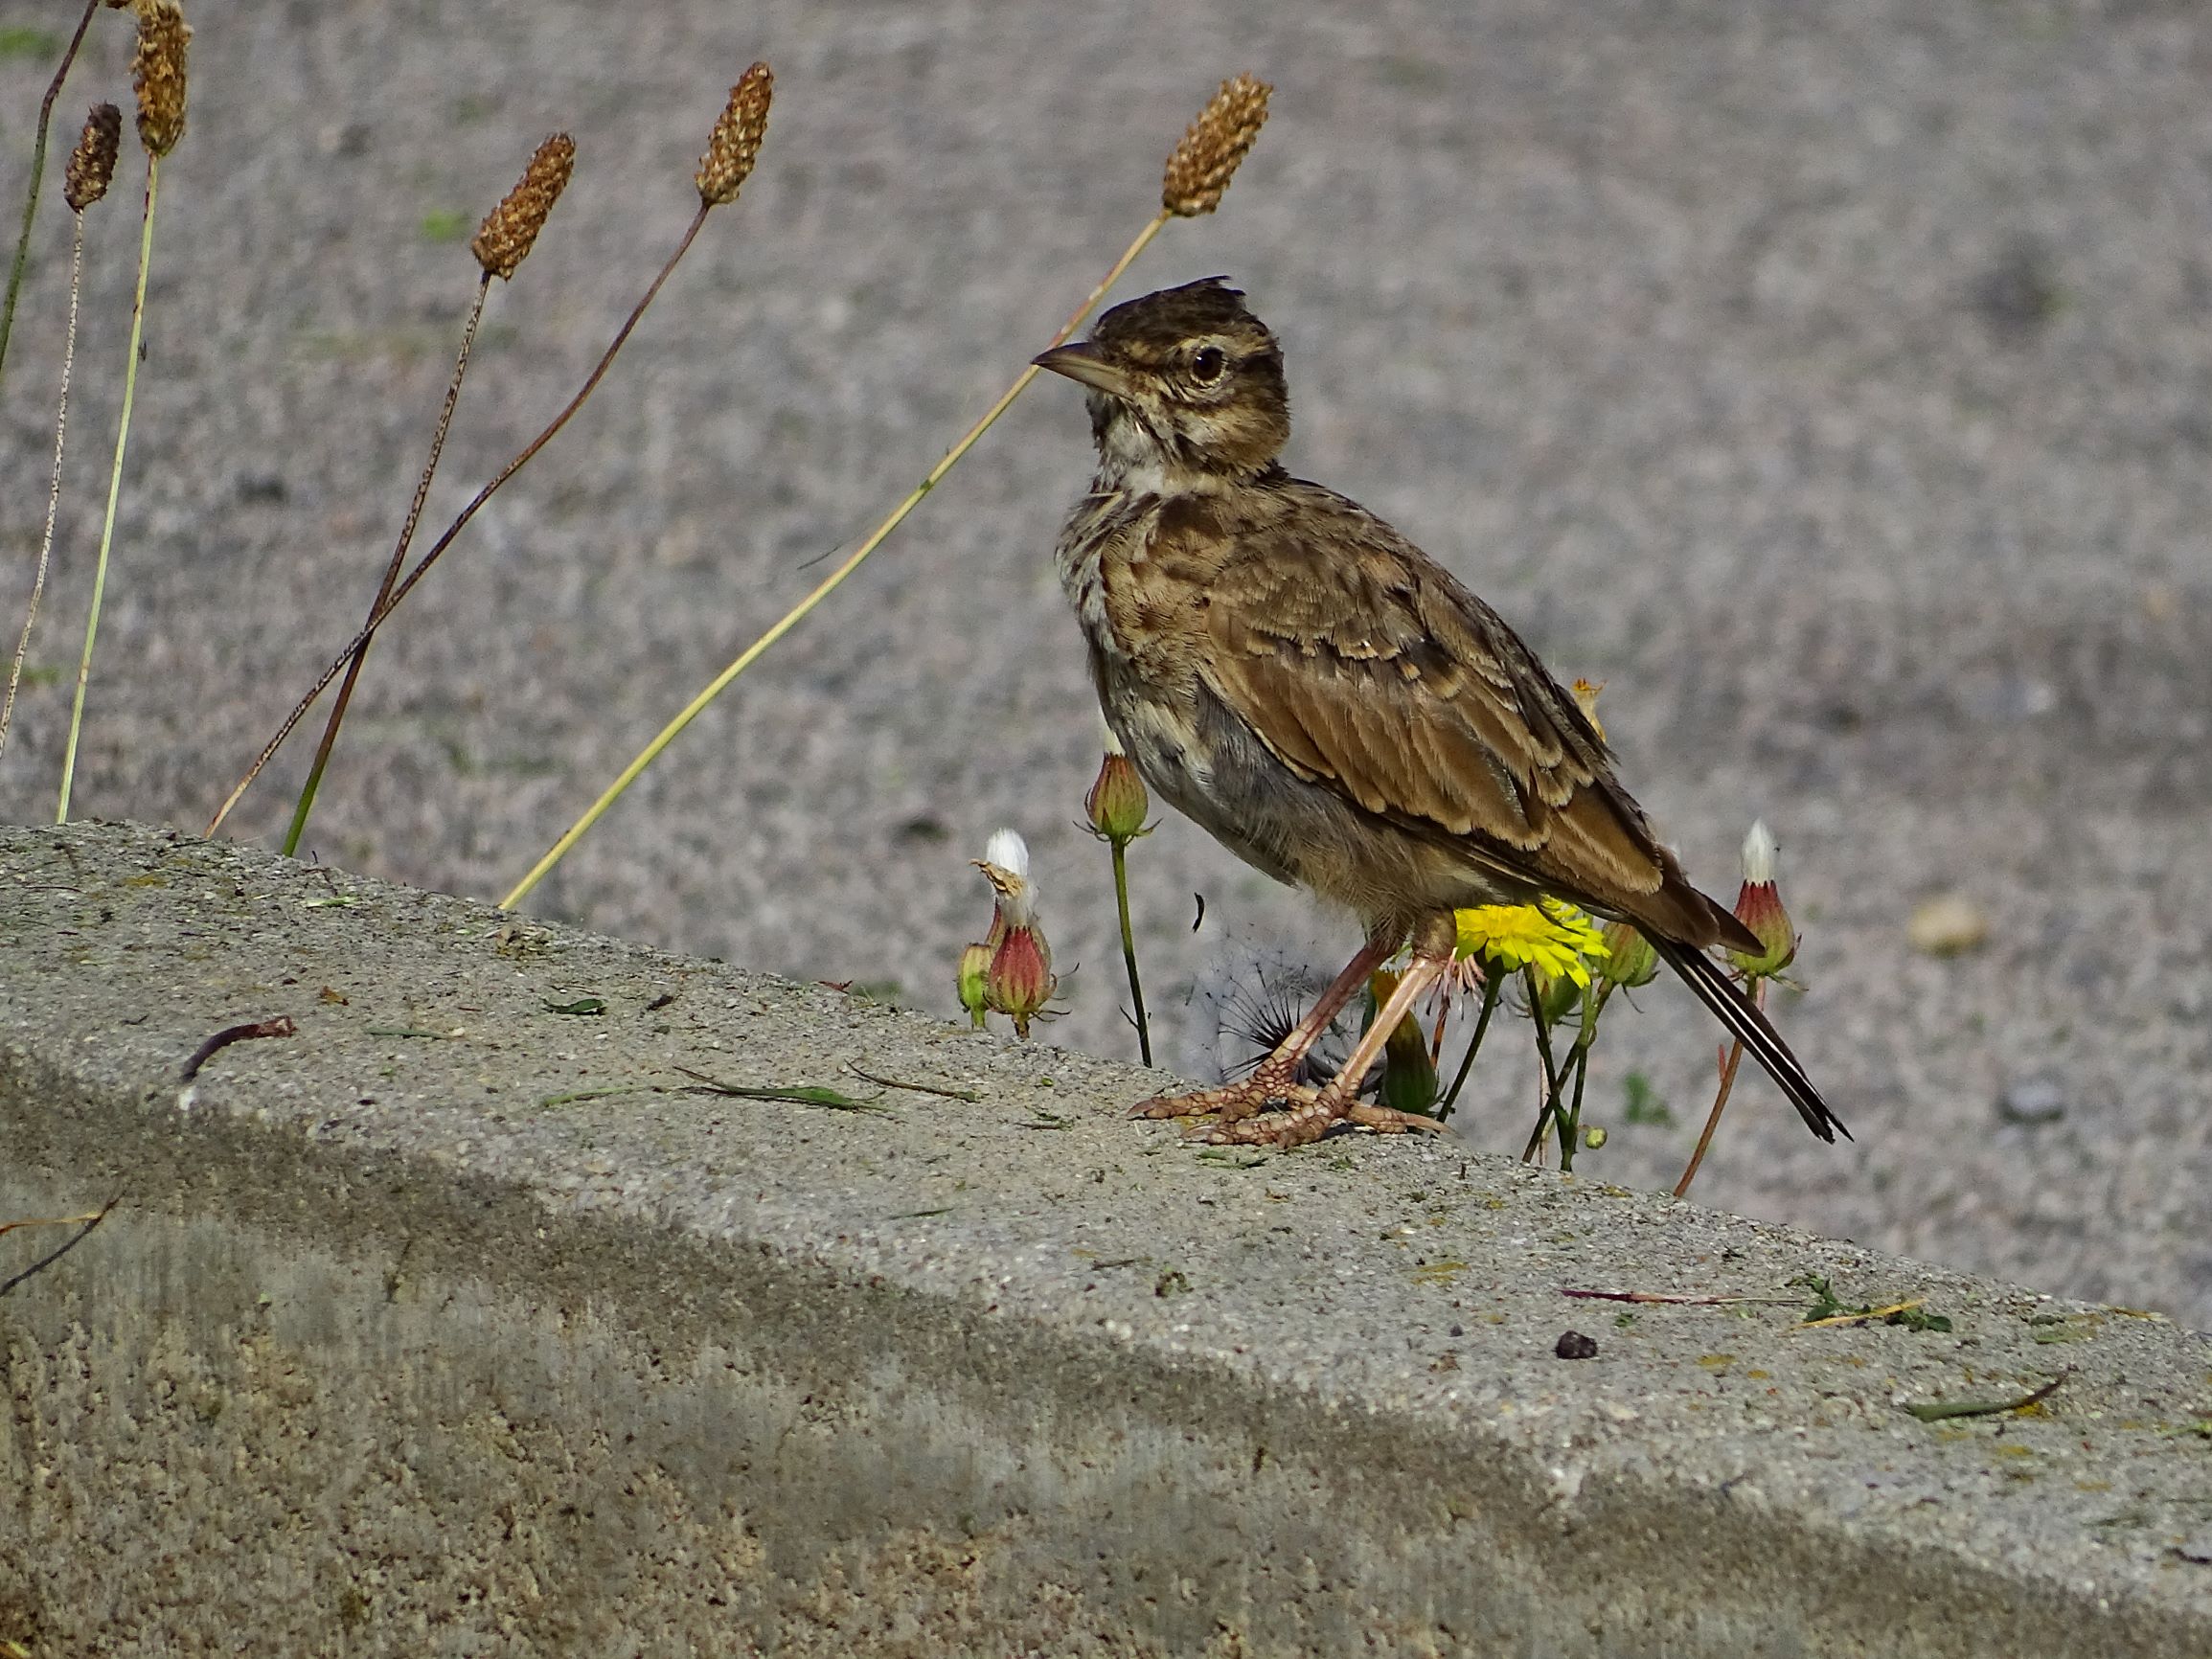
x=411 y=1336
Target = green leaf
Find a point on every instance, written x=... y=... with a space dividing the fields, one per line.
x=1643 y=1104
x=444 y=225
x=798 y=1094
x=22 y=41
x=1942 y=1410
x=582 y=1005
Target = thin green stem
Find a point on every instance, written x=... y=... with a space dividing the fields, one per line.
x=114 y=490
x=1130 y=947
x=799 y=612
x=1570 y=1126
x=1594 y=998
x=38 y=176
x=1549 y=1110
x=399 y=560
x=54 y=488
x=1493 y=982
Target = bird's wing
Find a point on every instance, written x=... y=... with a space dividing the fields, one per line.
x=1365 y=666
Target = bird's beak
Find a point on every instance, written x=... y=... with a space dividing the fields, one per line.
x=1082 y=362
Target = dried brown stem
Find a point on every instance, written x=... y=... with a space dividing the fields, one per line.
x=64 y=1248
x=38 y=173
x=359 y=657
x=453 y=530
x=1720 y=1098
x=54 y=488
x=280 y=1027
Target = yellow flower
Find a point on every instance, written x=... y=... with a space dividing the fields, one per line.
x=1554 y=937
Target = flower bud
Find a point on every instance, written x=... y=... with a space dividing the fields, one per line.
x=1117 y=803
x=1020 y=980
x=1593 y=1138
x=1557 y=996
x=972 y=981
x=1758 y=907
x=1409 y=1081
x=1629 y=961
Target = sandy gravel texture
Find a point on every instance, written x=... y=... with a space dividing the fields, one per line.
x=1833 y=384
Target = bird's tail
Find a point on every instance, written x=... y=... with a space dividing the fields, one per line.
x=1749 y=1025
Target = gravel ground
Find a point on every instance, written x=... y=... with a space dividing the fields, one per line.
x=1835 y=384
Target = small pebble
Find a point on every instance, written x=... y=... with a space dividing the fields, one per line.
x=1949 y=924
x=1574 y=1345
x=2034 y=1100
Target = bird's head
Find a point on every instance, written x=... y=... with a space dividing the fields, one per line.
x=1186 y=389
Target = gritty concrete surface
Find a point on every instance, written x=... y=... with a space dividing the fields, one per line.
x=455 y=1324
x=1835 y=382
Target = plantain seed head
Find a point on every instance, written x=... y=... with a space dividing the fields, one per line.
x=736 y=142
x=1214 y=147
x=157 y=72
x=504 y=240
x=91 y=163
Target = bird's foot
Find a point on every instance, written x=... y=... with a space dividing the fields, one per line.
x=1271 y=1086
x=1307 y=1121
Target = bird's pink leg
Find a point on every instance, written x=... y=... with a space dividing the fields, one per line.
x=1310 y=1118
x=1274 y=1080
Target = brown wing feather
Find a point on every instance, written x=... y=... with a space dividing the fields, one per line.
x=1366 y=667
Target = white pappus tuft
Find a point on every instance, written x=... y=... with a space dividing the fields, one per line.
x=1007 y=849
x=1758 y=854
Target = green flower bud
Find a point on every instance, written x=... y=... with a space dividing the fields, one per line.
x=974 y=977
x=1117 y=803
x=1409 y=1081
x=1557 y=996
x=1629 y=961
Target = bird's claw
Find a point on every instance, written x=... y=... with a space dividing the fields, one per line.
x=1312 y=1117
x=1268 y=1089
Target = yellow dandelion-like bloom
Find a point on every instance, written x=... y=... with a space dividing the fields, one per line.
x=1552 y=936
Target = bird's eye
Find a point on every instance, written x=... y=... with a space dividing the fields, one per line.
x=1207 y=363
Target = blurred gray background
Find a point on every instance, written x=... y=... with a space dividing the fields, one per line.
x=1835 y=382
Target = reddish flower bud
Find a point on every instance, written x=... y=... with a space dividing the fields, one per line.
x=974 y=976
x=1758 y=907
x=1117 y=802
x=1021 y=981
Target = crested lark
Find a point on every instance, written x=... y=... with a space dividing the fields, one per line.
x=1336 y=709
